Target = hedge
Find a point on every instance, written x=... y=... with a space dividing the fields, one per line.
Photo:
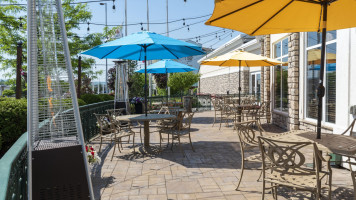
x=13 y=123
x=106 y=97
x=90 y=98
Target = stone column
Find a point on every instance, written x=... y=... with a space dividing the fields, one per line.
x=267 y=74
x=245 y=80
x=293 y=81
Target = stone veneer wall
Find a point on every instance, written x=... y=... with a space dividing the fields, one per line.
x=293 y=81
x=310 y=126
x=220 y=84
x=266 y=74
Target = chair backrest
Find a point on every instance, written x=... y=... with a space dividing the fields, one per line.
x=285 y=156
x=104 y=123
x=185 y=120
x=115 y=112
x=351 y=128
x=246 y=133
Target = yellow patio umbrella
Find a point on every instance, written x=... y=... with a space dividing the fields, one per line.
x=261 y=17
x=241 y=59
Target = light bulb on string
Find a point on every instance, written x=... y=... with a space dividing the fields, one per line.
x=88 y=29
x=216 y=35
x=113 y=5
x=183 y=22
x=141 y=27
x=188 y=28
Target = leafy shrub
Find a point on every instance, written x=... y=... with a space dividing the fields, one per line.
x=90 y=98
x=8 y=93
x=13 y=115
x=81 y=102
x=106 y=97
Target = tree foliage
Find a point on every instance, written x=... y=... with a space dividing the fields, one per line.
x=13 y=24
x=161 y=80
x=180 y=82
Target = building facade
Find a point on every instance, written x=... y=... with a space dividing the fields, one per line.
x=291 y=88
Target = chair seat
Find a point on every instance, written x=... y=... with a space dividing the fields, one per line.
x=299 y=178
x=124 y=133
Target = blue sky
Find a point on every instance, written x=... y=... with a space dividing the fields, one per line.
x=178 y=9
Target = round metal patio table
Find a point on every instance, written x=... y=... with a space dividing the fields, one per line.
x=146 y=126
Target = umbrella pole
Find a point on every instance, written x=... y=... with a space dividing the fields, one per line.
x=321 y=88
x=239 y=82
x=144 y=49
x=167 y=86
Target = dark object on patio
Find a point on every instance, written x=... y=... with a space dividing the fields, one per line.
x=138 y=108
x=119 y=105
x=59 y=174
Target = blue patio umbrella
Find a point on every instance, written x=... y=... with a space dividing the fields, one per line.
x=165 y=67
x=145 y=46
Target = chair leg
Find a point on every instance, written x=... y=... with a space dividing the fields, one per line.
x=172 y=142
x=190 y=140
x=214 y=118
x=118 y=144
x=141 y=133
x=260 y=176
x=160 y=139
x=113 y=153
x=274 y=191
x=133 y=142
x=128 y=141
x=101 y=142
x=263 y=189
x=241 y=174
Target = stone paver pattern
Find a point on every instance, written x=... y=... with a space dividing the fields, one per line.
x=211 y=172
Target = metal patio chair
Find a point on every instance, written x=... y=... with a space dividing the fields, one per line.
x=182 y=129
x=284 y=164
x=248 y=140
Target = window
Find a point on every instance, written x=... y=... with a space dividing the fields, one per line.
x=313 y=60
x=255 y=83
x=281 y=76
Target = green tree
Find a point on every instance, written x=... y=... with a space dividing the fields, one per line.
x=13 y=24
x=181 y=82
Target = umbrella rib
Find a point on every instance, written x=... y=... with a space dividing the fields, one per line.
x=269 y=63
x=110 y=52
x=195 y=50
x=230 y=13
x=272 y=17
x=310 y=1
x=170 y=51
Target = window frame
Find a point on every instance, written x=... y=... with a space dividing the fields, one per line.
x=280 y=109
x=305 y=80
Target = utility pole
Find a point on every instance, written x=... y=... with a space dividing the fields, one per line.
x=18 y=70
x=106 y=33
x=79 y=76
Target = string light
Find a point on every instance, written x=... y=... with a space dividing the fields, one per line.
x=183 y=22
x=188 y=28
x=113 y=5
x=88 y=29
x=141 y=27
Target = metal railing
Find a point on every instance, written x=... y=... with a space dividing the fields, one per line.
x=200 y=102
x=13 y=165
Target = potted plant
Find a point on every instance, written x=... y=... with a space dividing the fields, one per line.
x=138 y=102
